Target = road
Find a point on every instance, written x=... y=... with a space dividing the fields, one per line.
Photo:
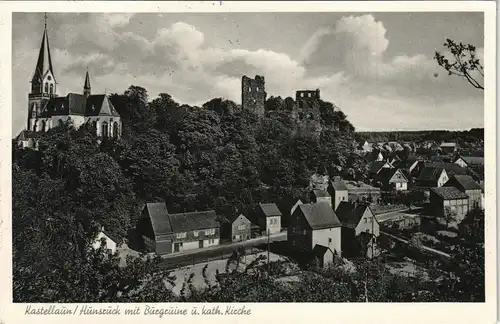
x=218 y=252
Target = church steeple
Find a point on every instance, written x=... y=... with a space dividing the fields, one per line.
x=86 y=85
x=43 y=81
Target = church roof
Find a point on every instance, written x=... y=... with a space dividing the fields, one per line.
x=78 y=104
x=44 y=62
x=86 y=85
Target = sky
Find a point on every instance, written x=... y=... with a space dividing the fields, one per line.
x=378 y=68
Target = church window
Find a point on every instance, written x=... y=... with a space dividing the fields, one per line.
x=44 y=125
x=104 y=132
x=51 y=88
x=115 y=129
x=46 y=88
x=34 y=125
x=49 y=78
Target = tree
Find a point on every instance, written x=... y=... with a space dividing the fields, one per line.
x=464 y=62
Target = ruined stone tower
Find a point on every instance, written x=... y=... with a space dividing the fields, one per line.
x=306 y=111
x=253 y=94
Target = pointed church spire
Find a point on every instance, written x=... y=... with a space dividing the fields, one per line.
x=86 y=85
x=43 y=64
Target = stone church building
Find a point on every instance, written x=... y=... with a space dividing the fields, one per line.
x=47 y=110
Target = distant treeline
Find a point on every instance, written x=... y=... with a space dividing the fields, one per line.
x=472 y=135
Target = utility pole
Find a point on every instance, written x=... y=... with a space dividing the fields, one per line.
x=268 y=248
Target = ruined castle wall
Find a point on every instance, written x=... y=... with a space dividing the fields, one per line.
x=253 y=94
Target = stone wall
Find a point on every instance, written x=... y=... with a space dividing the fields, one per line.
x=253 y=94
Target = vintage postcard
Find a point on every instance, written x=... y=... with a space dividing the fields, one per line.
x=233 y=162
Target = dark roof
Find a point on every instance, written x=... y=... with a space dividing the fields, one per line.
x=86 y=85
x=269 y=210
x=376 y=166
x=319 y=216
x=449 y=193
x=473 y=160
x=320 y=250
x=234 y=217
x=430 y=173
x=451 y=168
x=386 y=175
x=465 y=182
x=184 y=222
x=350 y=215
x=44 y=61
x=78 y=104
x=159 y=218
x=338 y=184
x=320 y=193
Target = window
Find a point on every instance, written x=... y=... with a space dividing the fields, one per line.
x=329 y=240
x=304 y=232
x=257 y=89
x=104 y=132
x=366 y=220
x=212 y=241
x=46 y=90
x=249 y=89
x=241 y=227
x=210 y=231
x=115 y=130
x=51 y=88
x=44 y=125
x=180 y=235
x=195 y=233
x=343 y=198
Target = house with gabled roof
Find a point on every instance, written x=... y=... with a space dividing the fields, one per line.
x=449 y=147
x=339 y=192
x=269 y=218
x=447 y=201
x=432 y=176
x=467 y=185
x=376 y=166
x=239 y=228
x=393 y=179
x=165 y=233
x=358 y=221
x=314 y=224
x=470 y=161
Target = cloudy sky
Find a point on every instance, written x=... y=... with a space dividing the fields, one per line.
x=377 y=67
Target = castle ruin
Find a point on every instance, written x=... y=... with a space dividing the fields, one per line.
x=253 y=94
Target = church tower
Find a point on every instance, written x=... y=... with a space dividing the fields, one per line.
x=43 y=84
x=86 y=85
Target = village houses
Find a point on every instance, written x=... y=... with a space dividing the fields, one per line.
x=269 y=218
x=448 y=202
x=312 y=225
x=166 y=233
x=468 y=186
x=360 y=229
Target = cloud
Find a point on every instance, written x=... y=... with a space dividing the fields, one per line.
x=347 y=59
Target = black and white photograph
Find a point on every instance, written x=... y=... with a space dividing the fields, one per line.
x=232 y=156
